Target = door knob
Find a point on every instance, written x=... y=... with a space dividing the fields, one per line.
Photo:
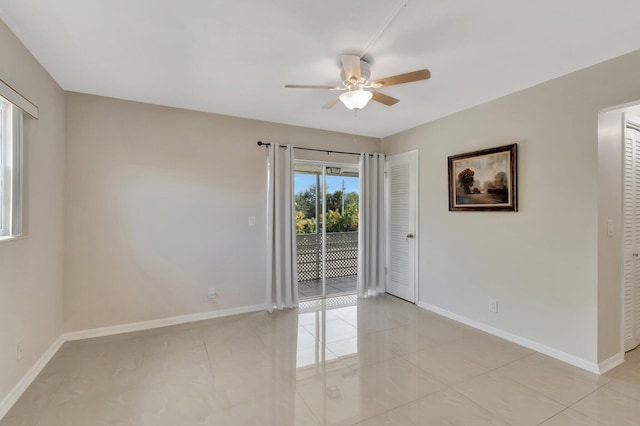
x=635 y=254
x=411 y=236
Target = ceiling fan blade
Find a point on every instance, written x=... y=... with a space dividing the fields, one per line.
x=351 y=66
x=402 y=78
x=384 y=99
x=331 y=104
x=311 y=86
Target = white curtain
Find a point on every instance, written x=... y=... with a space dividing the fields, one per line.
x=282 y=276
x=371 y=229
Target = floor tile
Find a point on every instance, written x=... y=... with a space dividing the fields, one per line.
x=100 y=408
x=333 y=330
x=509 y=400
x=335 y=397
x=630 y=369
x=404 y=340
x=179 y=401
x=339 y=361
x=610 y=408
x=561 y=382
x=442 y=408
x=629 y=386
x=190 y=364
x=571 y=417
x=489 y=351
x=271 y=411
x=361 y=351
x=448 y=366
x=442 y=330
x=396 y=382
x=171 y=340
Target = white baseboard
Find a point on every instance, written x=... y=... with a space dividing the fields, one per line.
x=536 y=346
x=7 y=402
x=611 y=363
x=163 y=322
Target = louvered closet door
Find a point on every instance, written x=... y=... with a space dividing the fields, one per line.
x=631 y=274
x=401 y=198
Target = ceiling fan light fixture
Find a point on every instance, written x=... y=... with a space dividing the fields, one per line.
x=356 y=99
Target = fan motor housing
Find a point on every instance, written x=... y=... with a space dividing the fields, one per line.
x=365 y=75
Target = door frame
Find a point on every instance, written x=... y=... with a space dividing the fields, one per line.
x=627 y=122
x=323 y=201
x=415 y=154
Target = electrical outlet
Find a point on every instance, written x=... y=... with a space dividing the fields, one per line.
x=493 y=305
x=19 y=351
x=211 y=294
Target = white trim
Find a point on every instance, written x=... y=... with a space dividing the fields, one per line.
x=623 y=154
x=611 y=363
x=626 y=121
x=12 y=95
x=415 y=156
x=10 y=238
x=6 y=165
x=536 y=346
x=323 y=176
x=404 y=154
x=7 y=402
x=17 y=155
x=163 y=322
x=621 y=106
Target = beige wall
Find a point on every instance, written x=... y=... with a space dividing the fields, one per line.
x=31 y=268
x=542 y=263
x=158 y=206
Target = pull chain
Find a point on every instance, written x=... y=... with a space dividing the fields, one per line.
x=355 y=126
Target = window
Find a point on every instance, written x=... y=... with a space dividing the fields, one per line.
x=11 y=169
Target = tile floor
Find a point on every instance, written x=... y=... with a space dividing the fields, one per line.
x=309 y=289
x=380 y=362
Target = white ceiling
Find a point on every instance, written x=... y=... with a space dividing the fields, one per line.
x=234 y=57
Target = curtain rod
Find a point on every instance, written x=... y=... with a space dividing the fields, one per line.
x=267 y=144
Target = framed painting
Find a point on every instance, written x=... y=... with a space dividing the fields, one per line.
x=484 y=180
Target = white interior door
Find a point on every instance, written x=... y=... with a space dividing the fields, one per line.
x=402 y=237
x=631 y=269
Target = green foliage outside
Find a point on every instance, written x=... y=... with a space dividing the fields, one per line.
x=306 y=222
x=306 y=203
x=345 y=222
x=304 y=225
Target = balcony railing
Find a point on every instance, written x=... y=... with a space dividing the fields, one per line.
x=342 y=255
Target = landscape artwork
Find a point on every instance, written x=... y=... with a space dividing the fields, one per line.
x=484 y=180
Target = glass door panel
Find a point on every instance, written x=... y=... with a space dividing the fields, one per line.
x=327 y=197
x=341 y=229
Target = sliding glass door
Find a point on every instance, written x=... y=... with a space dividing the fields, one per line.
x=327 y=197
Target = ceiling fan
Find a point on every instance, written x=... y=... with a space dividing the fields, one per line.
x=356 y=75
